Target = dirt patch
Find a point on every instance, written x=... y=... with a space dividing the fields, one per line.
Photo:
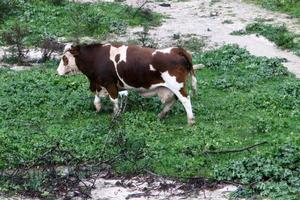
x=156 y=188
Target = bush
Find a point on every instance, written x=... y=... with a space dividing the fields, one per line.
x=276 y=174
x=57 y=2
x=15 y=37
x=7 y=7
x=289 y=6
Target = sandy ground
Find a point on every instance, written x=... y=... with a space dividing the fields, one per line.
x=139 y=189
x=205 y=19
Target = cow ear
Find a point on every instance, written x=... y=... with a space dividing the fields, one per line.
x=75 y=50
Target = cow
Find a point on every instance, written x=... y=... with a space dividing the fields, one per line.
x=112 y=68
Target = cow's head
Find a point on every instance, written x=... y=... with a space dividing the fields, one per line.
x=67 y=63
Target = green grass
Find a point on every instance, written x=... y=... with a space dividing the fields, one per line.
x=67 y=20
x=242 y=100
x=291 y=7
x=279 y=34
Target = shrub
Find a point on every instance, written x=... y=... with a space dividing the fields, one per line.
x=278 y=34
x=15 y=37
x=7 y=7
x=276 y=174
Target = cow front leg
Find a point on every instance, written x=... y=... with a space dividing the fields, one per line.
x=97 y=102
x=167 y=108
x=116 y=105
x=113 y=96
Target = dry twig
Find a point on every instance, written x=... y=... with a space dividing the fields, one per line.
x=235 y=150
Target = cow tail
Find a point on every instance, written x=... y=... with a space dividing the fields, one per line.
x=194 y=82
x=190 y=68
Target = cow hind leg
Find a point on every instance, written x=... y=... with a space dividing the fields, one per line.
x=98 y=95
x=186 y=102
x=167 y=98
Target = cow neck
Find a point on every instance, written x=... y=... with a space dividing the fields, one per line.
x=84 y=66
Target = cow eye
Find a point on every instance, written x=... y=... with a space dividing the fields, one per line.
x=65 y=59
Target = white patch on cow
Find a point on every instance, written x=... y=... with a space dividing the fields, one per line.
x=68 y=47
x=167 y=50
x=123 y=93
x=152 y=68
x=106 y=45
x=71 y=67
x=114 y=51
x=123 y=53
x=171 y=81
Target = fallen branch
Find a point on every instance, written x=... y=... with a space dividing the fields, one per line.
x=235 y=150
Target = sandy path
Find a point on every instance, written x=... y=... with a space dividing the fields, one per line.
x=203 y=18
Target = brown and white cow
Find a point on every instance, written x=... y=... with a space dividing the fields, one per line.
x=111 y=68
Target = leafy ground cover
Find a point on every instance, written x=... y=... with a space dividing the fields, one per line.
x=242 y=100
x=291 y=7
x=45 y=19
x=279 y=34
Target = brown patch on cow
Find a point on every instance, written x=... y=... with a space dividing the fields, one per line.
x=183 y=91
x=180 y=73
x=186 y=55
x=94 y=86
x=178 y=57
x=75 y=50
x=117 y=58
x=112 y=90
x=93 y=61
x=65 y=60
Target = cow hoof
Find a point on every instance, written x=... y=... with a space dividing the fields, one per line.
x=161 y=115
x=191 y=121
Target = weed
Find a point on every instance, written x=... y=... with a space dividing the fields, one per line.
x=44 y=19
x=15 y=37
x=192 y=43
x=291 y=7
x=48 y=46
x=212 y=2
x=7 y=7
x=275 y=174
x=227 y=21
x=144 y=38
x=277 y=34
x=238 y=32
